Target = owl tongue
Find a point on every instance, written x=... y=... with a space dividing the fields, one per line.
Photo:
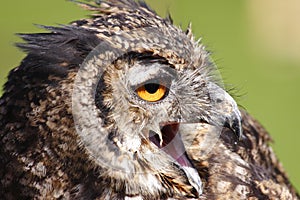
x=172 y=143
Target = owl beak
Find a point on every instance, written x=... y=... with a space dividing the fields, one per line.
x=225 y=110
x=232 y=115
x=234 y=123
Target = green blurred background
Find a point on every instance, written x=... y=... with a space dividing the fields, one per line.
x=256 y=45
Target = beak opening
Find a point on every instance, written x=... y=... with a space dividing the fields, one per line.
x=169 y=140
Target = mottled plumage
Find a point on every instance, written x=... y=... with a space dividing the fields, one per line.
x=79 y=118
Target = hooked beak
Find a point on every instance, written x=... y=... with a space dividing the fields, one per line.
x=226 y=110
x=234 y=124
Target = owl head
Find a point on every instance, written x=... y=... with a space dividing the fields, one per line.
x=141 y=91
x=121 y=96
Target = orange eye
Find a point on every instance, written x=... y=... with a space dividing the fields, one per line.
x=151 y=92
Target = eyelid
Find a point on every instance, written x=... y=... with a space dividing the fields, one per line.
x=162 y=82
x=156 y=73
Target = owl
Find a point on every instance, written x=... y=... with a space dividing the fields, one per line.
x=125 y=105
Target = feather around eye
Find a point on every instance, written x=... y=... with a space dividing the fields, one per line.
x=152 y=92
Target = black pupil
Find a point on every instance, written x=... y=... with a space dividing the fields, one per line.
x=151 y=87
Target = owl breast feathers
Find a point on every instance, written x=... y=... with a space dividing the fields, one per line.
x=125 y=105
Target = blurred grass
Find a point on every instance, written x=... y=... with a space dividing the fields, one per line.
x=270 y=84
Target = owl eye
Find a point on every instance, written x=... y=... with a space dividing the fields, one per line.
x=151 y=92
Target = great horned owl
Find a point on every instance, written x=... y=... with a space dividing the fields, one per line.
x=125 y=105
